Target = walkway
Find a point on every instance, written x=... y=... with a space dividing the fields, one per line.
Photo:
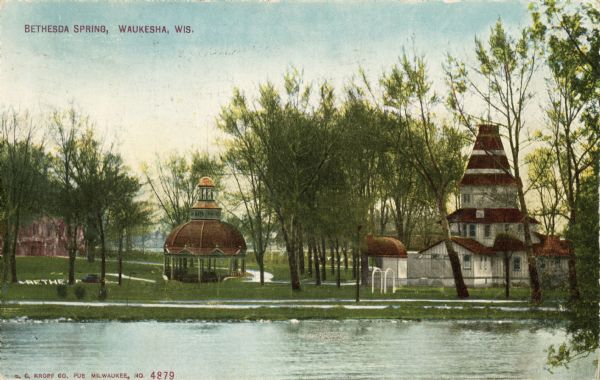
x=255 y=304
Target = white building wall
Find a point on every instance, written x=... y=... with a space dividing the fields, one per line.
x=432 y=267
x=488 y=196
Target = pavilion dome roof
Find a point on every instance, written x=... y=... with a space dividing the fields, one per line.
x=206 y=182
x=385 y=246
x=205 y=237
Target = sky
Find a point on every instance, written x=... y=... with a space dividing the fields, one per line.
x=158 y=93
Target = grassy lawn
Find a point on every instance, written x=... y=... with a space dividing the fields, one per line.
x=36 y=268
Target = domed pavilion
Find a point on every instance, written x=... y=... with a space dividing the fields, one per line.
x=205 y=249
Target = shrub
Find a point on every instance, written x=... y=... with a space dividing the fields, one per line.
x=103 y=294
x=62 y=291
x=79 y=292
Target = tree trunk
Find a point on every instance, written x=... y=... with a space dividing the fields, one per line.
x=332 y=258
x=13 y=250
x=120 y=254
x=316 y=260
x=288 y=237
x=536 y=289
x=72 y=248
x=345 y=253
x=260 y=260
x=6 y=256
x=300 y=253
x=310 y=255
x=506 y=275
x=102 y=252
x=337 y=256
x=459 y=283
x=323 y=258
x=572 y=261
x=364 y=268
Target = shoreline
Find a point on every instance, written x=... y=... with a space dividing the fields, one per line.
x=95 y=311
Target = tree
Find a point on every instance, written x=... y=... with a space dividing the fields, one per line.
x=174 y=180
x=126 y=212
x=292 y=146
x=23 y=182
x=66 y=128
x=502 y=81
x=258 y=215
x=97 y=171
x=545 y=181
x=434 y=150
x=583 y=327
x=573 y=38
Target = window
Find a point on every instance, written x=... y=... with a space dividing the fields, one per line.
x=472 y=230
x=520 y=228
x=506 y=227
x=485 y=260
x=464 y=230
x=466 y=198
x=517 y=264
x=487 y=230
x=467 y=262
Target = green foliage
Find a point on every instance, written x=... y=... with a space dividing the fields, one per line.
x=103 y=293
x=62 y=291
x=174 y=180
x=80 y=292
x=583 y=326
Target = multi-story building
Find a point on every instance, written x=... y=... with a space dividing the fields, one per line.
x=487 y=230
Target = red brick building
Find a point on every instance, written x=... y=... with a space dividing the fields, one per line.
x=45 y=237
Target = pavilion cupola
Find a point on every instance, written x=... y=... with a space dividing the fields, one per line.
x=206 y=207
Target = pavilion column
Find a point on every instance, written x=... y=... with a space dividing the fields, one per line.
x=171 y=266
x=164 y=265
x=243 y=265
x=199 y=274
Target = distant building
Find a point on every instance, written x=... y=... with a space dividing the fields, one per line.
x=45 y=237
x=487 y=230
x=205 y=248
x=387 y=256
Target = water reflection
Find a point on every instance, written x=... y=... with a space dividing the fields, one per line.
x=293 y=349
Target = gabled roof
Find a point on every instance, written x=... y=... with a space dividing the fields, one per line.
x=552 y=245
x=471 y=245
x=490 y=215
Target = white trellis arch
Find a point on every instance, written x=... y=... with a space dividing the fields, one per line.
x=385 y=280
x=375 y=271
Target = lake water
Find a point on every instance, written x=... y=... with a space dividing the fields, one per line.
x=283 y=350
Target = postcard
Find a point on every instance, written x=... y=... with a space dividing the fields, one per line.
x=299 y=189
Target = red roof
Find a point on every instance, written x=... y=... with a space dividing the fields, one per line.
x=473 y=245
x=552 y=245
x=385 y=246
x=488 y=161
x=205 y=237
x=494 y=157
x=206 y=182
x=490 y=215
x=468 y=243
x=507 y=243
